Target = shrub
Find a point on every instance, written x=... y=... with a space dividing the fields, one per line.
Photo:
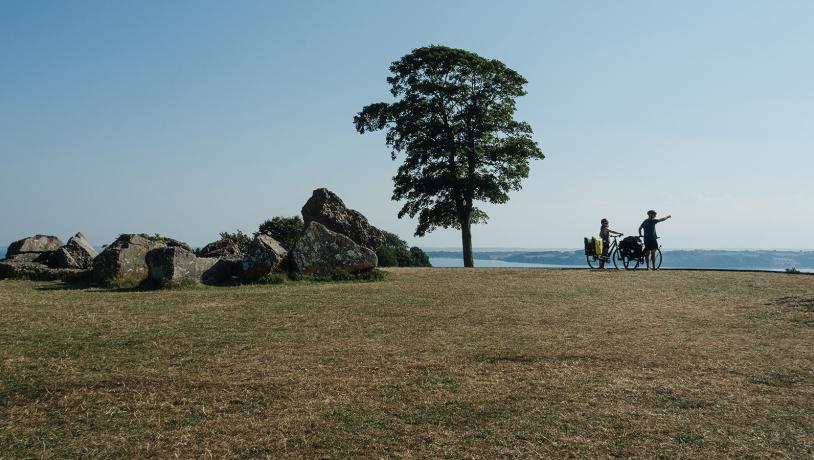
x=286 y=230
x=241 y=239
x=419 y=257
x=273 y=278
x=387 y=256
x=395 y=253
x=792 y=270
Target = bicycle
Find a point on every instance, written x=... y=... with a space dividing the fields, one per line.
x=631 y=261
x=613 y=251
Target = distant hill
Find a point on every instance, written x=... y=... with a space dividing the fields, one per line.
x=695 y=258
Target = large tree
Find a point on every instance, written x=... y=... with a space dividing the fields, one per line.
x=454 y=121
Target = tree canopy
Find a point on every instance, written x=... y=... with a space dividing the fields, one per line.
x=454 y=122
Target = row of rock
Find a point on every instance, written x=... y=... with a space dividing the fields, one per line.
x=44 y=257
x=336 y=240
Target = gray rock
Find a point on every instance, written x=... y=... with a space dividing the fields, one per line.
x=264 y=256
x=41 y=257
x=328 y=209
x=226 y=271
x=125 y=258
x=36 y=243
x=169 y=264
x=220 y=249
x=19 y=269
x=77 y=253
x=324 y=252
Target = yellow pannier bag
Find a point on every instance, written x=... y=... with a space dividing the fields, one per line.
x=598 y=246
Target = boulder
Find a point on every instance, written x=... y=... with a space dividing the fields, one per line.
x=77 y=253
x=220 y=249
x=326 y=208
x=40 y=257
x=226 y=271
x=19 y=269
x=174 y=263
x=264 y=256
x=125 y=258
x=324 y=252
x=34 y=244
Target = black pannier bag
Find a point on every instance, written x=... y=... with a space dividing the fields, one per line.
x=589 y=247
x=631 y=247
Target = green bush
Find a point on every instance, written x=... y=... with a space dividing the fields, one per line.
x=273 y=278
x=241 y=239
x=286 y=230
x=395 y=253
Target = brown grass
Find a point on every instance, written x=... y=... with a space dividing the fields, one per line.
x=429 y=363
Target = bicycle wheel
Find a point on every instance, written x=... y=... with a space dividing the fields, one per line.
x=593 y=261
x=658 y=258
x=630 y=263
x=616 y=256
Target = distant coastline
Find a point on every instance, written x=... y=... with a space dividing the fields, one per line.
x=777 y=260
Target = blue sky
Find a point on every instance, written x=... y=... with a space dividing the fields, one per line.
x=188 y=118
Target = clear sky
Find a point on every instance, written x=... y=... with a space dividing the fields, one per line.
x=187 y=118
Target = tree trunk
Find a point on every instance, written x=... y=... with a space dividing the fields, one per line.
x=466 y=239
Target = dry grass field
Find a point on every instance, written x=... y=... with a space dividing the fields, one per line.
x=436 y=363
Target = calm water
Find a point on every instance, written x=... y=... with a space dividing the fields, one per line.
x=458 y=262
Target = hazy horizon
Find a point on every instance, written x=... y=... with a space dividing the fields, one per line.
x=192 y=118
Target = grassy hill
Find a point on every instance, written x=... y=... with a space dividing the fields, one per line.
x=429 y=363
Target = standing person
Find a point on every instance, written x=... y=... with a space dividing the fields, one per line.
x=648 y=231
x=604 y=235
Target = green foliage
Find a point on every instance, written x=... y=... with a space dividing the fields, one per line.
x=792 y=270
x=273 y=278
x=241 y=239
x=156 y=237
x=286 y=230
x=454 y=123
x=419 y=257
x=395 y=253
x=387 y=256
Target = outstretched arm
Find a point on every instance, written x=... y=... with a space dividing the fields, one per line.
x=665 y=218
x=614 y=231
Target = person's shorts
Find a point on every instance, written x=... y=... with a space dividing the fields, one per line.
x=651 y=245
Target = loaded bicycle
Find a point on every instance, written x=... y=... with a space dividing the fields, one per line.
x=629 y=254
x=594 y=257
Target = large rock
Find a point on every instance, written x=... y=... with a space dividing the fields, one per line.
x=324 y=252
x=220 y=249
x=264 y=256
x=125 y=258
x=328 y=209
x=171 y=264
x=19 y=269
x=34 y=244
x=77 y=253
x=226 y=271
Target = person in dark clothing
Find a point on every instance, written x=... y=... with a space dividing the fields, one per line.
x=648 y=231
x=604 y=235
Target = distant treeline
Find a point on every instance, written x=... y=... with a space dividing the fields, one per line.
x=696 y=258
